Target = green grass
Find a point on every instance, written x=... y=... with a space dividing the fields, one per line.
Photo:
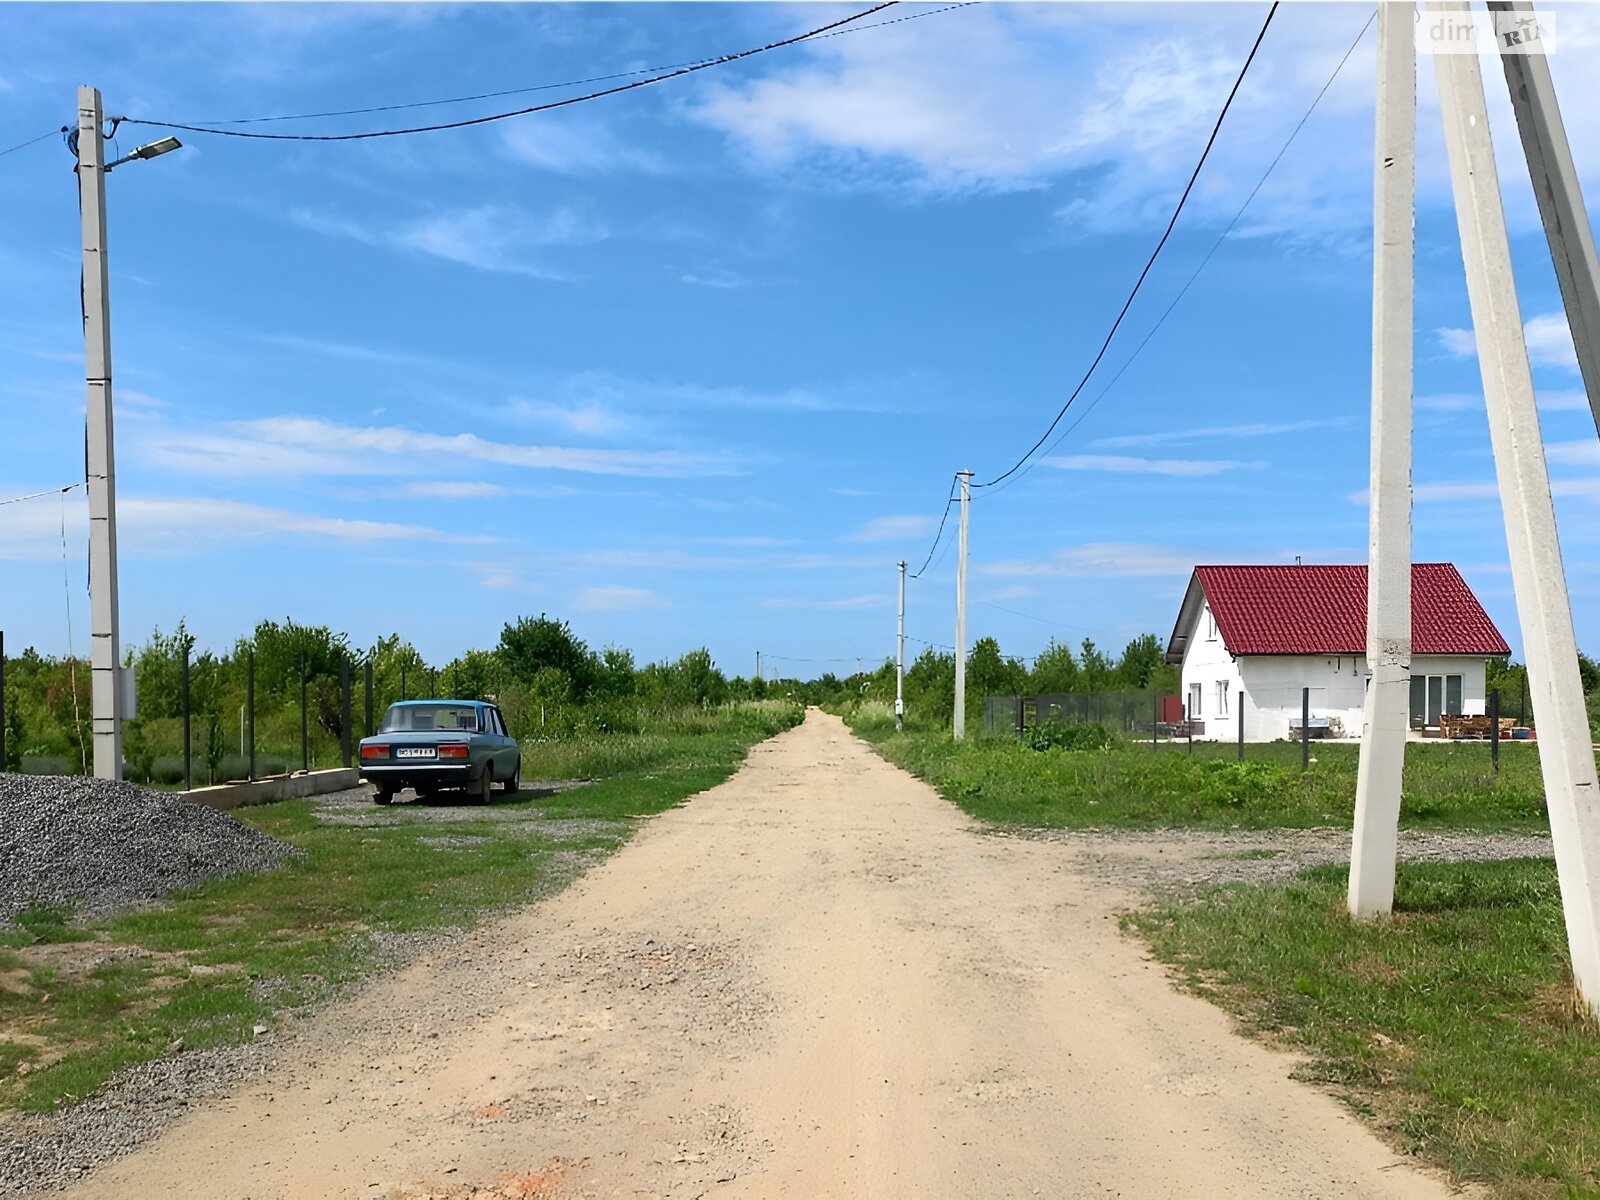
x=1453 y=1026
x=997 y=778
x=215 y=961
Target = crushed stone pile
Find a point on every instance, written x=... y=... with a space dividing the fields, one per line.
x=100 y=845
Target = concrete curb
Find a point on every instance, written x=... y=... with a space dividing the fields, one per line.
x=225 y=796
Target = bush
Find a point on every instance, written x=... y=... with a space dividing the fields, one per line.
x=1062 y=735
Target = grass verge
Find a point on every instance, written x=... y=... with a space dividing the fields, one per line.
x=1452 y=1026
x=80 y=1000
x=998 y=778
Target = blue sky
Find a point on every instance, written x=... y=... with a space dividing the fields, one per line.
x=694 y=364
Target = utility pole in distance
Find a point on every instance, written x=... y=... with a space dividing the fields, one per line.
x=105 y=652
x=900 y=657
x=961 y=608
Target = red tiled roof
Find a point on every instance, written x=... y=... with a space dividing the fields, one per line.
x=1323 y=610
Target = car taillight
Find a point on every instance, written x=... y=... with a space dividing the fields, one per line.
x=453 y=750
x=374 y=752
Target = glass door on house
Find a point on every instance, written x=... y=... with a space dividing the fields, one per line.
x=1432 y=695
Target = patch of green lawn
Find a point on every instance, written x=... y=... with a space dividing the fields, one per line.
x=1132 y=785
x=213 y=962
x=1453 y=1026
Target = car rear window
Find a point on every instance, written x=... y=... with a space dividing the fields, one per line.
x=430 y=718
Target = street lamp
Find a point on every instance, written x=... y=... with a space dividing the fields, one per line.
x=108 y=699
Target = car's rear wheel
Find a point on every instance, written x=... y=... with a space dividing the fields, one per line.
x=515 y=782
x=479 y=792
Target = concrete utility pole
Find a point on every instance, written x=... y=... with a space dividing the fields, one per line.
x=1572 y=791
x=1388 y=700
x=105 y=655
x=900 y=657
x=961 y=608
x=1555 y=185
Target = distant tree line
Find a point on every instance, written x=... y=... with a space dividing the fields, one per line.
x=547 y=680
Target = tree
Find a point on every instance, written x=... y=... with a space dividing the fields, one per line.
x=1140 y=661
x=476 y=675
x=1098 y=673
x=989 y=673
x=1055 y=671
x=616 y=676
x=535 y=644
x=15 y=732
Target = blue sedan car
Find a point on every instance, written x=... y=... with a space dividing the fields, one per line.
x=430 y=745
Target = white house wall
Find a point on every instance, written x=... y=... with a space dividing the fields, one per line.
x=1271 y=685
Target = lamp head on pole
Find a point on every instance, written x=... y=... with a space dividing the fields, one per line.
x=149 y=150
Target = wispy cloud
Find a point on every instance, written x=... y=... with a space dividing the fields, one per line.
x=454 y=489
x=1104 y=559
x=829 y=605
x=1207 y=432
x=888 y=529
x=187 y=526
x=615 y=598
x=592 y=419
x=1126 y=465
x=577 y=147
x=490 y=237
x=311 y=446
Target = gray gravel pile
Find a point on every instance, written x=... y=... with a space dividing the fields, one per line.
x=100 y=845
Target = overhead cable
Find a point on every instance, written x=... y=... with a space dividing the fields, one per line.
x=31 y=141
x=1215 y=246
x=550 y=87
x=1127 y=304
x=943 y=519
x=521 y=112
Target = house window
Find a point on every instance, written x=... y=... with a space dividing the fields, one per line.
x=1222 y=697
x=1211 y=626
x=1194 y=700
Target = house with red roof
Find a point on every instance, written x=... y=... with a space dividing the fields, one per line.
x=1251 y=638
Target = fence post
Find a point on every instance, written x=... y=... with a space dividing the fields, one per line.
x=188 y=779
x=1305 y=728
x=1155 y=720
x=250 y=706
x=1494 y=728
x=305 y=728
x=1126 y=726
x=1241 y=725
x=1188 y=726
x=368 y=673
x=344 y=710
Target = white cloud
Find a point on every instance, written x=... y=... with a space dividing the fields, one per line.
x=1548 y=337
x=1584 y=452
x=614 y=598
x=1123 y=464
x=1017 y=592
x=888 y=529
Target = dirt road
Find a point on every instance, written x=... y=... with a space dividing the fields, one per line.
x=817 y=980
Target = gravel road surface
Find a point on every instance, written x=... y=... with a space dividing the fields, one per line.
x=819 y=979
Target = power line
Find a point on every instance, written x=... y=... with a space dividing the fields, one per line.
x=36 y=495
x=932 y=645
x=943 y=519
x=548 y=87
x=521 y=112
x=1217 y=245
x=31 y=141
x=1031 y=617
x=1154 y=254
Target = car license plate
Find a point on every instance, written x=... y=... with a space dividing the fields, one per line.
x=415 y=752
